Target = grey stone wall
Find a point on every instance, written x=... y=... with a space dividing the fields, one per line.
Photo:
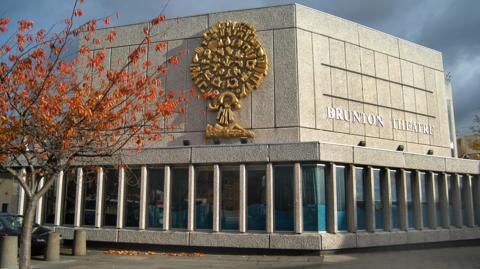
x=361 y=69
x=316 y=60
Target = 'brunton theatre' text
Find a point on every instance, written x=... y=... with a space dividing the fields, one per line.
x=352 y=116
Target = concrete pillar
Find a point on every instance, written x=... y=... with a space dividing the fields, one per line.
x=52 y=251
x=457 y=200
x=270 y=214
x=79 y=243
x=351 y=194
x=59 y=199
x=39 y=210
x=143 y=198
x=100 y=199
x=121 y=198
x=467 y=184
x=191 y=198
x=331 y=198
x=476 y=197
x=243 y=199
x=216 y=198
x=369 y=201
x=432 y=196
x=402 y=200
x=166 y=197
x=78 y=199
x=444 y=200
x=417 y=201
x=9 y=252
x=21 y=193
x=386 y=190
x=298 y=199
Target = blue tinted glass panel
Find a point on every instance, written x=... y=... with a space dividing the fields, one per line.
x=395 y=191
x=424 y=198
x=204 y=197
x=256 y=191
x=179 y=198
x=476 y=200
x=49 y=204
x=377 y=196
x=89 y=195
x=439 y=193
x=155 y=197
x=451 y=197
x=70 y=190
x=409 y=187
x=132 y=197
x=110 y=196
x=314 y=210
x=341 y=202
x=464 y=193
x=283 y=195
x=360 y=197
x=230 y=204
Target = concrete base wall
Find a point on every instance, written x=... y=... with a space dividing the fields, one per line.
x=307 y=241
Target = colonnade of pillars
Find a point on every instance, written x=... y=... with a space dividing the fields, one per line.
x=436 y=196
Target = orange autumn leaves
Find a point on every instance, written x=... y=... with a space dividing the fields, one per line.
x=73 y=106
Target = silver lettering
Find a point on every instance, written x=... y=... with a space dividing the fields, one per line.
x=380 y=120
x=356 y=116
x=347 y=115
x=371 y=119
x=331 y=112
x=339 y=114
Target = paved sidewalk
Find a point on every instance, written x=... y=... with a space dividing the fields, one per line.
x=448 y=258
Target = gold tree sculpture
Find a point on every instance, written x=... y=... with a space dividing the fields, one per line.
x=229 y=64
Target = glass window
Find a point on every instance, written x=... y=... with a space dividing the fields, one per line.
x=132 y=197
x=155 y=197
x=49 y=204
x=256 y=191
x=424 y=198
x=314 y=209
x=451 y=198
x=204 y=197
x=395 y=192
x=179 y=198
x=377 y=196
x=70 y=191
x=360 y=199
x=110 y=196
x=283 y=177
x=409 y=187
x=341 y=198
x=89 y=195
x=438 y=196
x=230 y=190
x=465 y=194
x=476 y=200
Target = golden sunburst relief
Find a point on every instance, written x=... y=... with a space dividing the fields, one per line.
x=229 y=65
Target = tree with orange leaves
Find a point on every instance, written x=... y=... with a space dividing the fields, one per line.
x=61 y=106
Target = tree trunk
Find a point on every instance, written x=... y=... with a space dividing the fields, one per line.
x=26 y=237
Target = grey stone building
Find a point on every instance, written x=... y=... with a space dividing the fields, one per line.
x=353 y=148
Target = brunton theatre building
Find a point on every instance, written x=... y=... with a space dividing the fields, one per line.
x=319 y=134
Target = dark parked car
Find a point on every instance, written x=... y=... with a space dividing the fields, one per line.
x=12 y=225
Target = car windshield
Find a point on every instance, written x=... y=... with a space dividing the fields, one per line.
x=12 y=222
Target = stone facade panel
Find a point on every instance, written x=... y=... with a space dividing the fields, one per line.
x=306 y=85
x=263 y=101
x=286 y=94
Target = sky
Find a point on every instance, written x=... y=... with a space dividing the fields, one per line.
x=449 y=26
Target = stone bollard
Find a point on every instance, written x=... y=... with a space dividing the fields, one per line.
x=52 y=250
x=9 y=252
x=79 y=243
